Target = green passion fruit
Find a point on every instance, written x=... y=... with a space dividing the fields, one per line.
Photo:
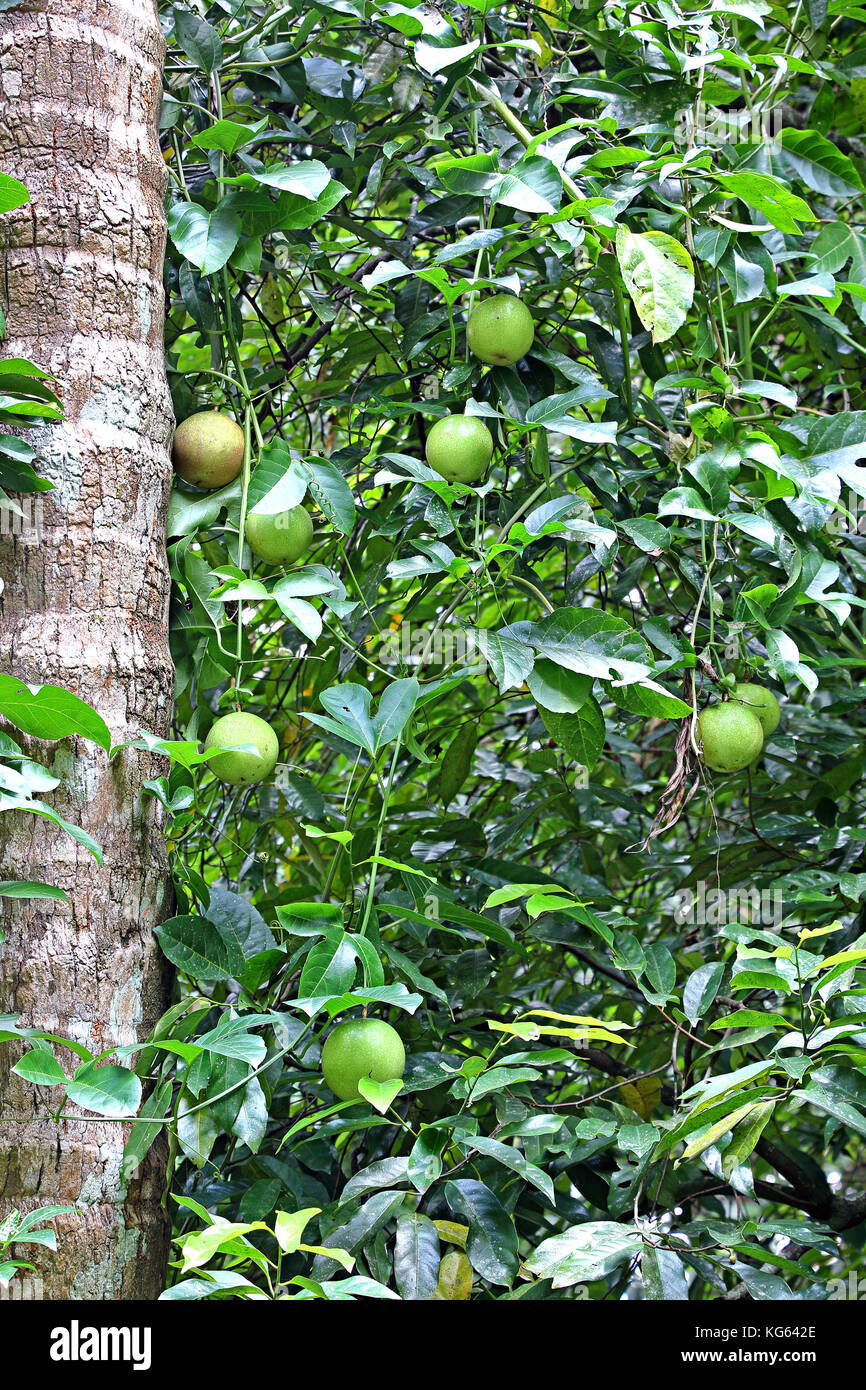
x=500 y=330
x=761 y=702
x=238 y=768
x=281 y=538
x=731 y=736
x=459 y=448
x=360 y=1048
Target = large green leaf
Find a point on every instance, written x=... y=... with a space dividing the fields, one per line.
x=416 y=1257
x=109 y=1090
x=659 y=275
x=49 y=712
x=492 y=1242
x=201 y=948
x=206 y=239
x=583 y=1253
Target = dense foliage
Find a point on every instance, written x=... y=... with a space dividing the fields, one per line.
x=630 y=988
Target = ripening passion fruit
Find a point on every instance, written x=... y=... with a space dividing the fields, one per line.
x=761 y=702
x=208 y=449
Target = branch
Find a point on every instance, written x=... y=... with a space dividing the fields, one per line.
x=301 y=349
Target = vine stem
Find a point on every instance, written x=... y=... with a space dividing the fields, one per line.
x=708 y=569
x=245 y=487
x=517 y=128
x=527 y=139
x=380 y=830
x=622 y=322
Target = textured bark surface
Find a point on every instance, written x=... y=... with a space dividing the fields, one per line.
x=86 y=607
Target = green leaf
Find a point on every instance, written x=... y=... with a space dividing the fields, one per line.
x=510 y=662
x=49 y=712
x=769 y=197
x=350 y=713
x=661 y=972
x=425 y=1159
x=584 y=1253
x=278 y=481
x=308 y=919
x=198 y=39
x=395 y=710
x=651 y=703
x=329 y=967
x=416 y=1258
x=841 y=1110
x=553 y=413
x=763 y=1286
x=358 y=1231
x=492 y=1242
x=646 y=533
x=592 y=643
x=187 y=514
x=200 y=948
x=746 y=1136
x=205 y=239
x=533 y=184
x=557 y=689
x=816 y=161
x=228 y=136
x=374 y=975
x=251 y=1122
x=663 y=1274
x=332 y=493
x=295 y=214
x=660 y=278
x=22 y=888
x=109 y=1090
x=12 y=194
x=307 y=179
x=144 y=1131
x=512 y=1158
x=41 y=1067
x=701 y=989
x=432 y=59
x=581 y=736
x=39 y=808
x=232 y=1038
x=240 y=921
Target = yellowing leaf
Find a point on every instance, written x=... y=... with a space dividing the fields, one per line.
x=660 y=278
x=341 y=1256
x=585 y=1019
x=807 y=934
x=642 y=1095
x=709 y=1136
x=290 y=1226
x=841 y=958
x=525 y=1030
x=455 y=1278
x=380 y=1094
x=453 y=1232
x=549 y=8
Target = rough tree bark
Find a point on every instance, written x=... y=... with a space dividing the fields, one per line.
x=86 y=608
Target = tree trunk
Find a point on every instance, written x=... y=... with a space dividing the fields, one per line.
x=86 y=607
